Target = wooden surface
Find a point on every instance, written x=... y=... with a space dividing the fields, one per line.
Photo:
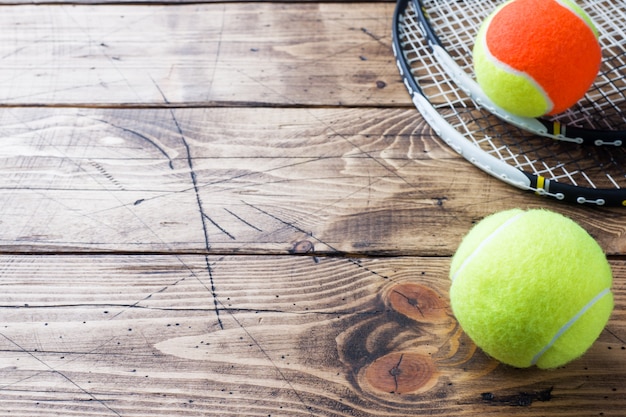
x=233 y=209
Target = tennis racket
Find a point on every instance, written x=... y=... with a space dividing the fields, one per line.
x=598 y=118
x=593 y=175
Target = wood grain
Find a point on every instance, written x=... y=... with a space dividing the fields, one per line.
x=233 y=209
x=173 y=2
x=200 y=54
x=369 y=181
x=280 y=335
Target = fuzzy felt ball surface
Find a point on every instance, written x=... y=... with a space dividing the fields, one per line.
x=531 y=288
x=536 y=57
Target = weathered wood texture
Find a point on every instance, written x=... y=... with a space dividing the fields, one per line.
x=233 y=209
x=188 y=55
x=279 y=336
x=172 y=2
x=241 y=180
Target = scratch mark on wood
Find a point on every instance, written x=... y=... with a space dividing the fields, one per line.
x=207 y=244
x=214 y=223
x=218 y=53
x=370 y=34
x=136 y=304
x=35 y=357
x=358 y=263
x=393 y=171
x=106 y=174
x=221 y=181
x=111 y=59
x=203 y=216
x=342 y=136
x=140 y=136
x=242 y=220
x=373 y=36
x=522 y=399
x=125 y=306
x=286 y=223
x=614 y=335
x=269 y=358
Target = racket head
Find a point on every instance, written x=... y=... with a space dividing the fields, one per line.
x=599 y=118
x=568 y=172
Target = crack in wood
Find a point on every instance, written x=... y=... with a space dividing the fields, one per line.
x=521 y=399
x=396 y=371
x=203 y=215
x=411 y=301
x=221 y=229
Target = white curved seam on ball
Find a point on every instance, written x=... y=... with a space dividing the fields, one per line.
x=593 y=29
x=569 y=324
x=485 y=241
x=506 y=67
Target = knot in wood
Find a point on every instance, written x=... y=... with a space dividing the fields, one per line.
x=401 y=373
x=418 y=302
x=303 y=246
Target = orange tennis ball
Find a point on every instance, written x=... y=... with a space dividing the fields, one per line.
x=537 y=57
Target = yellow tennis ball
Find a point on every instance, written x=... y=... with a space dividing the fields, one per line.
x=536 y=57
x=531 y=288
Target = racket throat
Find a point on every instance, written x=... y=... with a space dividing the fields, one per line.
x=541 y=186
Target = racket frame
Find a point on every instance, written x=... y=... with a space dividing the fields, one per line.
x=474 y=154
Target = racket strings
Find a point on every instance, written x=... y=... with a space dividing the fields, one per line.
x=460 y=30
x=591 y=167
x=456 y=23
x=603 y=106
x=436 y=85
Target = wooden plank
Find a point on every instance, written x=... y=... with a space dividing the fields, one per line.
x=369 y=181
x=199 y=54
x=264 y=335
x=174 y=2
x=173 y=177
